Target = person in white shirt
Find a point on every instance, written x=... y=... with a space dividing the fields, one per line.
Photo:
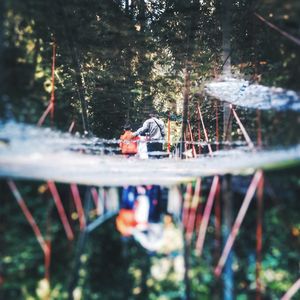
x=155 y=129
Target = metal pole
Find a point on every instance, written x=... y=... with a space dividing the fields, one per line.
x=185 y=109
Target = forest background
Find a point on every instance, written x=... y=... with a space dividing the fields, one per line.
x=118 y=59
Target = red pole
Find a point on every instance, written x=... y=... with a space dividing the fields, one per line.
x=169 y=134
x=284 y=33
x=199 y=216
x=61 y=210
x=247 y=138
x=218 y=220
x=53 y=80
x=78 y=205
x=237 y=224
x=292 y=291
x=44 y=245
x=28 y=215
x=206 y=215
x=186 y=204
x=50 y=107
x=71 y=126
x=192 y=140
x=199 y=132
x=259 y=232
x=47 y=260
x=96 y=200
x=48 y=242
x=44 y=115
x=204 y=130
x=193 y=210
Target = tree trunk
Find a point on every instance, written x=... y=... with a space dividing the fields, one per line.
x=127 y=7
x=226 y=61
x=227 y=204
x=1 y=47
x=226 y=35
x=185 y=108
x=78 y=74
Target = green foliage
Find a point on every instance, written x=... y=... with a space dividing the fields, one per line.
x=131 y=58
x=259 y=49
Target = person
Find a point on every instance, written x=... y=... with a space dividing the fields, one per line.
x=155 y=129
x=128 y=143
